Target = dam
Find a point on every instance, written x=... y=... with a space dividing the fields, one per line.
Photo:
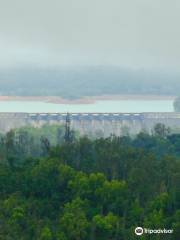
x=99 y=124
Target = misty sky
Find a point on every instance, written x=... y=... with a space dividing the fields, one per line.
x=128 y=33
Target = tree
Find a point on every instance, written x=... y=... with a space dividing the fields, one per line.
x=10 y=148
x=46 y=234
x=106 y=227
x=176 y=225
x=45 y=144
x=112 y=197
x=74 y=223
x=155 y=219
x=160 y=130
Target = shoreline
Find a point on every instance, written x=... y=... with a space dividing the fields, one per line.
x=85 y=100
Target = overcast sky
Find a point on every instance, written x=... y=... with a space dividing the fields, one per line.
x=129 y=33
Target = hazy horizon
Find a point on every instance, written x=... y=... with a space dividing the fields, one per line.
x=135 y=34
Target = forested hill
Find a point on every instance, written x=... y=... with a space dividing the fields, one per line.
x=87 y=189
x=76 y=82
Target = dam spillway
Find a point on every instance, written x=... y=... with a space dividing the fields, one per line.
x=92 y=123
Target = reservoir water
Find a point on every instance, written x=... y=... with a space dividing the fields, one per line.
x=97 y=107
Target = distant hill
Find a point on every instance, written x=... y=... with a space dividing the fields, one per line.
x=87 y=81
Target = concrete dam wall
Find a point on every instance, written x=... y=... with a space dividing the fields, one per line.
x=102 y=124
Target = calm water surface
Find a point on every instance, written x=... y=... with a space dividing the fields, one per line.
x=99 y=106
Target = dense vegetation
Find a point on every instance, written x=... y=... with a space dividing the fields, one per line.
x=88 y=189
x=87 y=81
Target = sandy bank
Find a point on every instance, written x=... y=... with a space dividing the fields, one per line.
x=85 y=100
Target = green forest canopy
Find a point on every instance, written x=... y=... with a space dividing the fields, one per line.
x=89 y=189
